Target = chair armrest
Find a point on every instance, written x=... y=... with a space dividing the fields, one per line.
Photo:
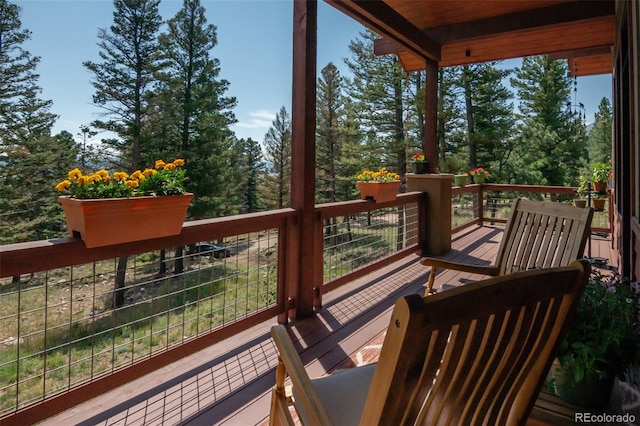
x=307 y=397
x=474 y=269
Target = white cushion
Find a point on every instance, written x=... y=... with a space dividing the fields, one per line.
x=343 y=394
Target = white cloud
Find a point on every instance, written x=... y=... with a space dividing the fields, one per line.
x=255 y=125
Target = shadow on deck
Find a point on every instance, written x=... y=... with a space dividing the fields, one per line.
x=229 y=383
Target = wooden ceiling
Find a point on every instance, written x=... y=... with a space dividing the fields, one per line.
x=458 y=32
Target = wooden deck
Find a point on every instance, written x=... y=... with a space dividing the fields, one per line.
x=229 y=383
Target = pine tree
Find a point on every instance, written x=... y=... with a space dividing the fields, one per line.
x=494 y=120
x=194 y=114
x=32 y=160
x=377 y=90
x=252 y=172
x=600 y=134
x=277 y=145
x=330 y=104
x=28 y=177
x=129 y=54
x=551 y=140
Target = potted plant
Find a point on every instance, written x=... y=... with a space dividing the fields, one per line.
x=602 y=341
x=581 y=191
x=105 y=209
x=599 y=201
x=380 y=186
x=419 y=163
x=460 y=179
x=479 y=175
x=602 y=172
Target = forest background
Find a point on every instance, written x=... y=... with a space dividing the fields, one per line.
x=159 y=89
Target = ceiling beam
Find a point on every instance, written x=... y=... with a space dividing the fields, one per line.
x=578 y=53
x=518 y=21
x=384 y=20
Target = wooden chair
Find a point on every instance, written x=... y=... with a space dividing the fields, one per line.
x=446 y=359
x=538 y=234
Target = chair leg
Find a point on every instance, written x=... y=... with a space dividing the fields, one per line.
x=279 y=414
x=432 y=276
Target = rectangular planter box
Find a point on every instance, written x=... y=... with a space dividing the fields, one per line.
x=109 y=221
x=380 y=192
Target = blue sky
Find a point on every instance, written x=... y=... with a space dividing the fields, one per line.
x=254 y=49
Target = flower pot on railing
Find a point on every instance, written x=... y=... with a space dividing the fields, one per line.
x=108 y=221
x=104 y=209
x=380 y=192
x=478 y=179
x=600 y=187
x=460 y=180
x=598 y=204
x=420 y=167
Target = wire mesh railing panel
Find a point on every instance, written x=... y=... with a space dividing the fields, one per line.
x=67 y=326
x=498 y=204
x=464 y=208
x=355 y=241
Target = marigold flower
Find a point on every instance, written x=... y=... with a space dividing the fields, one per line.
x=148 y=172
x=103 y=173
x=137 y=175
x=64 y=185
x=74 y=174
x=178 y=162
x=132 y=183
x=160 y=164
x=120 y=176
x=169 y=166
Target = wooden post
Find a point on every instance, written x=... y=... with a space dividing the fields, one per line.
x=435 y=235
x=300 y=282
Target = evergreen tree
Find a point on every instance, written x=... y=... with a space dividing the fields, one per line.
x=330 y=104
x=193 y=113
x=252 y=171
x=277 y=145
x=451 y=132
x=32 y=160
x=129 y=54
x=551 y=140
x=23 y=114
x=28 y=178
x=494 y=120
x=377 y=90
x=600 y=134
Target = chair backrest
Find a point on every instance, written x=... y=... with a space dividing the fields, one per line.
x=476 y=354
x=542 y=234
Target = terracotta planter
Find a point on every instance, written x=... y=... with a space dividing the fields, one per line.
x=580 y=203
x=479 y=179
x=111 y=221
x=600 y=187
x=380 y=192
x=460 y=180
x=420 y=167
x=598 y=204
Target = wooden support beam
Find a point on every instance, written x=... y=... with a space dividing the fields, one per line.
x=300 y=282
x=384 y=20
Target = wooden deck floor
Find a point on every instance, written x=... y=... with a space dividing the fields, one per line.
x=229 y=383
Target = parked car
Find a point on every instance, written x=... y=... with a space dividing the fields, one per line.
x=208 y=249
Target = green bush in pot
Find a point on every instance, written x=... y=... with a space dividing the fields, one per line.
x=602 y=341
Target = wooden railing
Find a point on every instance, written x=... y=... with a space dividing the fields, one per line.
x=57 y=306
x=66 y=340
x=490 y=203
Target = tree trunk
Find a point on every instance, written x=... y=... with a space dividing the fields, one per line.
x=118 y=290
